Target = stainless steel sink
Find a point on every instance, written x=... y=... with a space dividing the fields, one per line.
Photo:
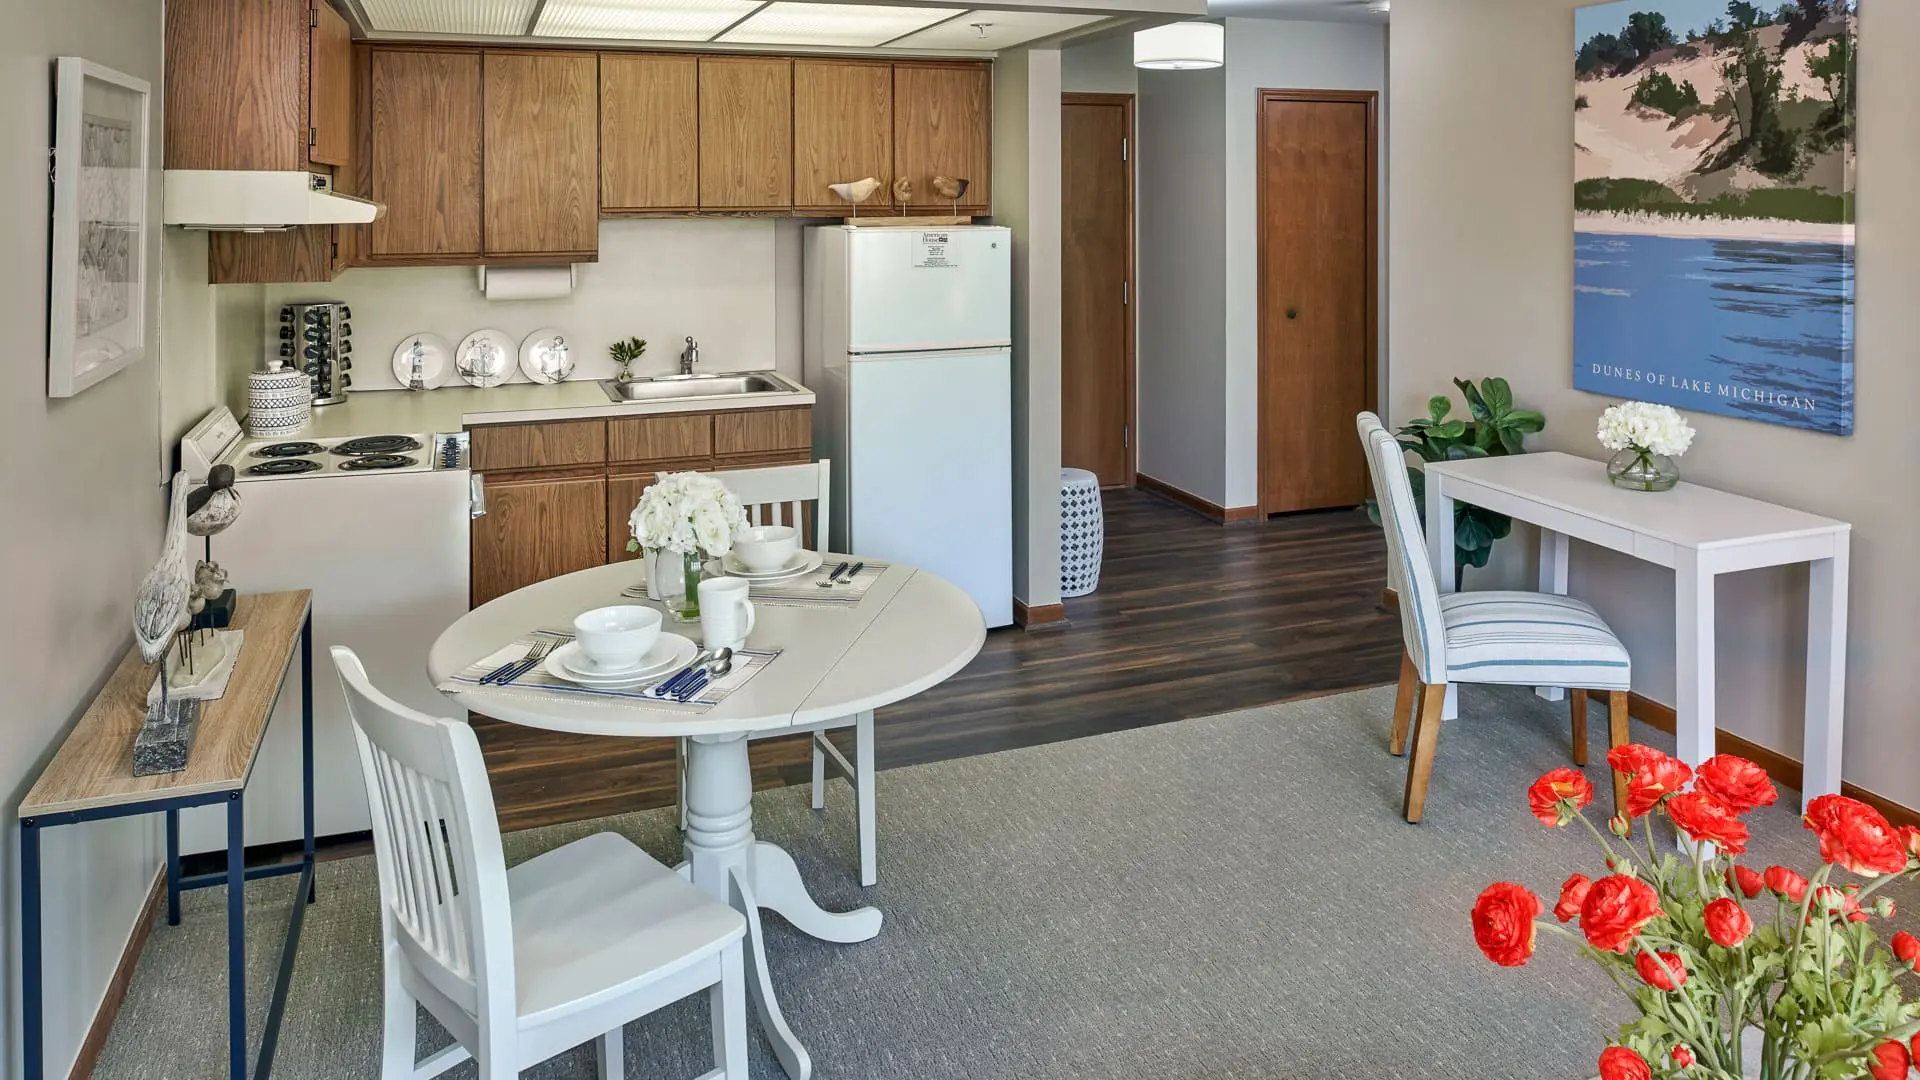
x=677 y=387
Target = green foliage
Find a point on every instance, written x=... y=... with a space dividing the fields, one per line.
x=1652 y=197
x=1753 y=80
x=1656 y=90
x=1646 y=33
x=1746 y=17
x=626 y=354
x=1834 y=68
x=1580 y=102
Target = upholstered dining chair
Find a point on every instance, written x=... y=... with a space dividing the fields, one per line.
x=1505 y=638
x=521 y=964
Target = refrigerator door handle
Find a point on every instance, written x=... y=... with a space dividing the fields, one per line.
x=477 y=496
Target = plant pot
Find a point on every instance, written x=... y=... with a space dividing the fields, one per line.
x=1642 y=470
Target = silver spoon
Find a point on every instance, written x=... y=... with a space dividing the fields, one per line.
x=721 y=664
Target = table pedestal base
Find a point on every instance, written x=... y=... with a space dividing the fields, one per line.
x=726 y=861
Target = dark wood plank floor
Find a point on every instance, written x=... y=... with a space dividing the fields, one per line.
x=1191 y=619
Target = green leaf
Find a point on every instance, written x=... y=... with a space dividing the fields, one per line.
x=1438 y=407
x=1526 y=421
x=1498 y=395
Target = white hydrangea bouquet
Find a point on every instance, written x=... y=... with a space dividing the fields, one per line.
x=1645 y=439
x=680 y=519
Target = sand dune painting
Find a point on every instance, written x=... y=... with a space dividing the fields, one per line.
x=1714 y=206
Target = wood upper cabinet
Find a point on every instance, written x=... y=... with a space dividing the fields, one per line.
x=542 y=162
x=329 y=88
x=842 y=130
x=425 y=145
x=942 y=126
x=649 y=132
x=746 y=133
x=536 y=529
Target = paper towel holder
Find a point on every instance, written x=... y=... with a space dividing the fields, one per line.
x=573 y=276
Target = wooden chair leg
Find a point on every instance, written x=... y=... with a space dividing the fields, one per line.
x=1426 y=734
x=1403 y=705
x=1618 y=735
x=1579 y=700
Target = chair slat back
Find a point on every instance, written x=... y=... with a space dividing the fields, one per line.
x=779 y=494
x=443 y=883
x=1409 y=570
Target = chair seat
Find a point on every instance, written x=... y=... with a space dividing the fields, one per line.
x=599 y=915
x=1531 y=639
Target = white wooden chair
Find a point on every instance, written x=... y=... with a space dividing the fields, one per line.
x=1506 y=638
x=522 y=964
x=778 y=495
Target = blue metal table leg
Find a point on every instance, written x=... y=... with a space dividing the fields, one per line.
x=30 y=988
x=306 y=743
x=236 y=938
x=173 y=868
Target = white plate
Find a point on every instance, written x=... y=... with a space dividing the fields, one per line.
x=670 y=652
x=547 y=357
x=803 y=562
x=435 y=358
x=485 y=358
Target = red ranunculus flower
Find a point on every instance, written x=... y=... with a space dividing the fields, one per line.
x=1890 y=1061
x=1572 y=895
x=1749 y=883
x=1623 y=1063
x=1906 y=948
x=1555 y=796
x=1503 y=923
x=1704 y=817
x=1739 y=783
x=1910 y=836
x=1727 y=922
x=1784 y=882
x=1652 y=776
x=1667 y=973
x=1615 y=910
x=1854 y=835
x=1682 y=1058
x=1915 y=1055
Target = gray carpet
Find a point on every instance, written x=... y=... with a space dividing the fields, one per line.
x=1217 y=899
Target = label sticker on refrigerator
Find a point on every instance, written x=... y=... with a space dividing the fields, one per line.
x=935 y=251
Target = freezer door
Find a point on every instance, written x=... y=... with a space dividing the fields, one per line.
x=930 y=469
x=916 y=289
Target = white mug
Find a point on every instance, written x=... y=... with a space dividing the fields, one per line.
x=726 y=615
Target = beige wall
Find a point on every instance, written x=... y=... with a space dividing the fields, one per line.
x=1482 y=283
x=81 y=514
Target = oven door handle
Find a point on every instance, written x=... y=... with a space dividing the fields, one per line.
x=477 y=496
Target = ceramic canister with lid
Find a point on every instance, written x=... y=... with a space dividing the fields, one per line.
x=279 y=400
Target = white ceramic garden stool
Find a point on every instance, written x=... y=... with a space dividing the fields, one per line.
x=1083 y=532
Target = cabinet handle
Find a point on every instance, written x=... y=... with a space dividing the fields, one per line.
x=477 y=496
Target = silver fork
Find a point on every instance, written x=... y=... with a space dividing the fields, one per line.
x=533 y=653
x=520 y=667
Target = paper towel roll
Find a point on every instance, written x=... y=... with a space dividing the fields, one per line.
x=526 y=282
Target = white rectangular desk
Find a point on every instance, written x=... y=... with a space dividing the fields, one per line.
x=1696 y=531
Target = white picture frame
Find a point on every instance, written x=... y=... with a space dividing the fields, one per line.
x=97 y=286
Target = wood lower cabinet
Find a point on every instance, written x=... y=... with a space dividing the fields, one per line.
x=746 y=133
x=425 y=146
x=541 y=180
x=943 y=126
x=535 y=529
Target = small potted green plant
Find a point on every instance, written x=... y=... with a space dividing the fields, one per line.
x=626 y=354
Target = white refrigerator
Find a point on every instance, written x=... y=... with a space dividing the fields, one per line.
x=909 y=353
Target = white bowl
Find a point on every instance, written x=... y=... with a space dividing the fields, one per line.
x=766 y=548
x=615 y=638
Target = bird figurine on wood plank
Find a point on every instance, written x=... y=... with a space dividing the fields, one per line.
x=855 y=192
x=951 y=189
x=903 y=193
x=214 y=506
x=160 y=606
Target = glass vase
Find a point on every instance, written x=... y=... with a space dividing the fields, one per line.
x=1642 y=470
x=678 y=578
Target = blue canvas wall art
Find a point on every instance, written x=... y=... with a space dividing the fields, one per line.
x=1713 y=207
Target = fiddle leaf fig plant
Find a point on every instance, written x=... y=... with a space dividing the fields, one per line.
x=1496 y=429
x=626 y=354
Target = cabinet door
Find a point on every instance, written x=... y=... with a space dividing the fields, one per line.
x=842 y=130
x=537 y=529
x=426 y=153
x=329 y=87
x=542 y=153
x=942 y=126
x=234 y=96
x=303 y=254
x=623 y=494
x=746 y=133
x=649 y=132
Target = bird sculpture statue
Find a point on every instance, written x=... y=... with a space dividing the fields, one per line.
x=855 y=192
x=903 y=193
x=951 y=189
x=215 y=505
x=160 y=608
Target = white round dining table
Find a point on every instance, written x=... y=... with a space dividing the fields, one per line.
x=911 y=631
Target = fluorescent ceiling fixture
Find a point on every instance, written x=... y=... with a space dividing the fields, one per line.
x=1003 y=29
x=506 y=18
x=1180 y=46
x=647 y=20
x=787 y=23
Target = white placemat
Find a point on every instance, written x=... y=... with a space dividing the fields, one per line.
x=539 y=683
x=805 y=590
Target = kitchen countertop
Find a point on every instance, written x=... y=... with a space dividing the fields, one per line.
x=454 y=408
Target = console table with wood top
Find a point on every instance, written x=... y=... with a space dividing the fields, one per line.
x=91 y=778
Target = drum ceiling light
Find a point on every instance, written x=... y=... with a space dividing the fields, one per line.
x=1181 y=46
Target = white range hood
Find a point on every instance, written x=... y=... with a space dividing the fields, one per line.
x=231 y=200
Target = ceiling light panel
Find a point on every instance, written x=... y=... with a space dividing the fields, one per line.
x=645 y=20
x=991 y=31
x=501 y=17
x=842 y=25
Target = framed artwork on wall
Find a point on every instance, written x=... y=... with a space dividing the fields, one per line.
x=97 y=291
x=1714 y=165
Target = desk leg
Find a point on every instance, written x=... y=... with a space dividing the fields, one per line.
x=1440 y=554
x=1553 y=579
x=173 y=868
x=1694 y=662
x=236 y=937
x=306 y=745
x=34 y=1053
x=1826 y=673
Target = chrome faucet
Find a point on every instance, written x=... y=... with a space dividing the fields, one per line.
x=689 y=356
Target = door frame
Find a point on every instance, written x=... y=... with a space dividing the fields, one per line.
x=1130 y=362
x=1371 y=99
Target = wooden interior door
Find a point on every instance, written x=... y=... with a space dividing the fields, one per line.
x=1096 y=360
x=1317 y=206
